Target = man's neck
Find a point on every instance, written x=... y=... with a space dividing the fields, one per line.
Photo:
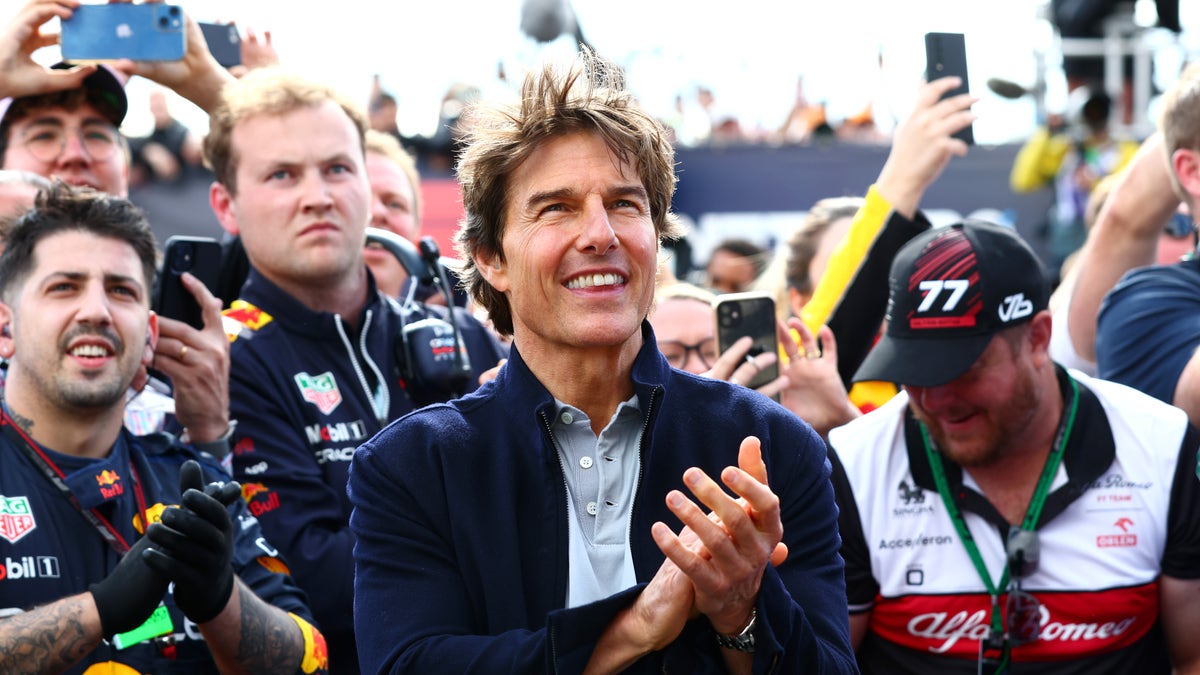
x=345 y=297
x=1009 y=483
x=81 y=433
x=594 y=380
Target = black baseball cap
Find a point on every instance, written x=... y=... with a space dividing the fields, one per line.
x=104 y=89
x=952 y=289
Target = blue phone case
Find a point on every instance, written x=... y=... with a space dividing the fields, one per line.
x=142 y=32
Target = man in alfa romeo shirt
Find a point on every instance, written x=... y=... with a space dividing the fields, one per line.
x=1003 y=514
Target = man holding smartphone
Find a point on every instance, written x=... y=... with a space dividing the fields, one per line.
x=64 y=122
x=96 y=523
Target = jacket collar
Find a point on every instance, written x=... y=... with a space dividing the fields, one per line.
x=294 y=315
x=650 y=373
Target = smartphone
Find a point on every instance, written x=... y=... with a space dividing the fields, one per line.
x=142 y=32
x=751 y=313
x=946 y=54
x=199 y=255
x=224 y=43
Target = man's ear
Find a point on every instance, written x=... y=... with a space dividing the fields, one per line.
x=493 y=270
x=8 y=346
x=151 y=340
x=1186 y=165
x=221 y=201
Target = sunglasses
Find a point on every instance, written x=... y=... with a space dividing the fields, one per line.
x=1023 y=615
x=1022 y=611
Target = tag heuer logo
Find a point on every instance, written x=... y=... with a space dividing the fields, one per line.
x=16 y=519
x=319 y=390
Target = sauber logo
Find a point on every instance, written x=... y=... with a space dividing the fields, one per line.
x=319 y=390
x=1124 y=540
x=1015 y=307
x=16 y=518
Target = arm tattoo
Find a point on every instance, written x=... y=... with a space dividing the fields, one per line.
x=270 y=641
x=46 y=639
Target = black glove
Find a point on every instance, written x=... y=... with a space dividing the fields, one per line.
x=127 y=596
x=193 y=544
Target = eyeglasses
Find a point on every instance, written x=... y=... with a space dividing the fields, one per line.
x=677 y=352
x=46 y=142
x=1023 y=612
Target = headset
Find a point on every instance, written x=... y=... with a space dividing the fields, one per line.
x=430 y=350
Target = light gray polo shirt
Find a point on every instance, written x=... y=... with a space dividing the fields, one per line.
x=601 y=475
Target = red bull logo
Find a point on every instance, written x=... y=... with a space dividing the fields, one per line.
x=252 y=490
x=248 y=315
x=259 y=499
x=110 y=484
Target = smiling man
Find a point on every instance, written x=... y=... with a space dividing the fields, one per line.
x=101 y=522
x=534 y=526
x=1002 y=512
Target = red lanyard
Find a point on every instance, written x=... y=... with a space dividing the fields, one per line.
x=58 y=479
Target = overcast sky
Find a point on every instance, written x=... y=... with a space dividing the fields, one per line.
x=749 y=52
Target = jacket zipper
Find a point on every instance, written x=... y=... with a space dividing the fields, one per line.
x=566 y=499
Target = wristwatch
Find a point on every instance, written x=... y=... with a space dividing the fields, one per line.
x=743 y=641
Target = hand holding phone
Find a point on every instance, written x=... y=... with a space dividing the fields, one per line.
x=945 y=55
x=141 y=32
x=749 y=314
x=201 y=256
x=224 y=43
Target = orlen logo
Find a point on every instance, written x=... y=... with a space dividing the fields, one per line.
x=1126 y=539
x=29 y=567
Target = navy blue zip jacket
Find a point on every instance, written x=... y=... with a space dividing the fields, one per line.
x=461 y=518
x=306 y=390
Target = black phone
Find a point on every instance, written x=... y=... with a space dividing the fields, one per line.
x=224 y=43
x=946 y=54
x=751 y=313
x=199 y=255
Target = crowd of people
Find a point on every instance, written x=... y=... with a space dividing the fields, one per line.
x=351 y=466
